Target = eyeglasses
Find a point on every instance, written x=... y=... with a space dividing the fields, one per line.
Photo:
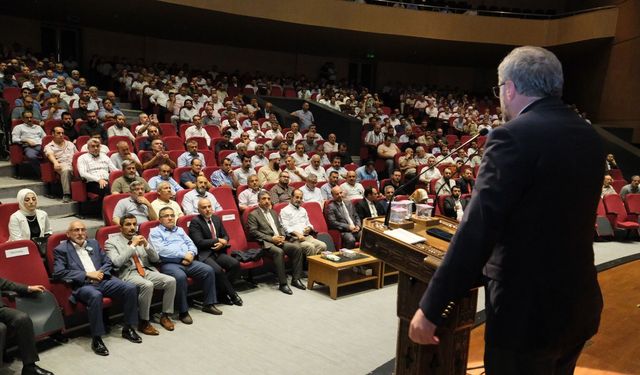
x=167 y=215
x=496 y=90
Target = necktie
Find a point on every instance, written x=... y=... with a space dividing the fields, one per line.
x=271 y=222
x=136 y=261
x=346 y=213
x=212 y=229
x=372 y=208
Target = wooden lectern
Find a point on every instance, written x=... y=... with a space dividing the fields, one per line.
x=417 y=264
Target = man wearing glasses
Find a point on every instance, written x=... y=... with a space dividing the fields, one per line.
x=177 y=253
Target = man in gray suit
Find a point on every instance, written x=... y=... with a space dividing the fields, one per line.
x=264 y=226
x=341 y=216
x=132 y=255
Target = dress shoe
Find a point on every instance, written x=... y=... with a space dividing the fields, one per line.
x=146 y=328
x=131 y=335
x=186 y=318
x=236 y=300
x=211 y=309
x=298 y=284
x=35 y=370
x=99 y=347
x=226 y=300
x=166 y=322
x=284 y=288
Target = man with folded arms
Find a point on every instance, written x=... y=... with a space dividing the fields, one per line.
x=296 y=224
x=190 y=200
x=81 y=263
x=177 y=253
x=129 y=175
x=264 y=226
x=212 y=241
x=60 y=153
x=132 y=257
x=136 y=204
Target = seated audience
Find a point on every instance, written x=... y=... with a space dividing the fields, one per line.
x=188 y=178
x=245 y=170
x=310 y=191
x=133 y=258
x=29 y=221
x=200 y=191
x=367 y=172
x=60 y=153
x=224 y=176
x=607 y=188
x=165 y=195
x=29 y=135
x=129 y=175
x=263 y=225
x=281 y=192
x=177 y=254
x=444 y=184
x=296 y=174
x=249 y=197
x=300 y=156
x=315 y=168
x=387 y=152
x=453 y=205
x=164 y=175
x=212 y=241
x=632 y=188
x=124 y=153
x=270 y=173
x=94 y=167
x=370 y=206
x=259 y=160
x=157 y=156
x=18 y=324
x=296 y=224
x=92 y=126
x=186 y=157
x=225 y=144
x=120 y=128
x=466 y=182
x=81 y=263
x=197 y=130
x=341 y=216
x=136 y=204
x=336 y=166
x=352 y=189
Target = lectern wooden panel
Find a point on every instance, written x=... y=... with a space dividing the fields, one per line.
x=417 y=264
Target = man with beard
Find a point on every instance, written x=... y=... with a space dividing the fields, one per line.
x=69 y=127
x=60 y=153
x=224 y=176
x=281 y=192
x=212 y=241
x=81 y=111
x=201 y=191
x=245 y=170
x=270 y=173
x=27 y=106
x=29 y=136
x=296 y=224
x=120 y=128
x=93 y=127
x=454 y=206
x=129 y=175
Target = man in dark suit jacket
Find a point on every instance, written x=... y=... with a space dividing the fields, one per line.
x=466 y=182
x=212 y=250
x=263 y=225
x=539 y=313
x=19 y=324
x=348 y=223
x=81 y=263
x=363 y=208
x=450 y=204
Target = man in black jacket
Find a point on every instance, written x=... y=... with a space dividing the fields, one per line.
x=540 y=311
x=20 y=325
x=370 y=206
x=453 y=205
x=208 y=234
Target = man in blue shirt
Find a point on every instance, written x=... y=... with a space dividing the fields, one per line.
x=224 y=176
x=177 y=253
x=367 y=172
x=164 y=176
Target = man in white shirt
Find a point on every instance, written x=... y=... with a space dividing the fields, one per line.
x=295 y=130
x=255 y=132
x=300 y=156
x=336 y=165
x=316 y=169
x=94 y=167
x=259 y=160
x=191 y=199
x=296 y=224
x=445 y=184
x=120 y=128
x=352 y=189
x=310 y=192
x=330 y=145
x=124 y=153
x=29 y=136
x=245 y=170
x=249 y=197
x=431 y=173
x=296 y=174
x=196 y=130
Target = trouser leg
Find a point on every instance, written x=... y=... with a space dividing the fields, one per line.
x=20 y=323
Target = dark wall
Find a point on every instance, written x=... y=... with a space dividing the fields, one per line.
x=346 y=128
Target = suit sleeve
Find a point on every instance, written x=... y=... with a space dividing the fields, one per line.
x=107 y=266
x=222 y=233
x=360 y=210
x=254 y=228
x=13 y=286
x=503 y=177
x=448 y=209
x=196 y=232
x=118 y=258
x=61 y=270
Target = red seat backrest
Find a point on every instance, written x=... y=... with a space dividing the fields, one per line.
x=20 y=262
x=173 y=142
x=613 y=204
x=180 y=195
x=234 y=228
x=104 y=233
x=184 y=221
x=108 y=206
x=316 y=217
x=224 y=196
x=147 y=174
x=146 y=227
x=113 y=175
x=633 y=203
x=6 y=210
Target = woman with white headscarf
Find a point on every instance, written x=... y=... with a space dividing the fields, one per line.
x=28 y=222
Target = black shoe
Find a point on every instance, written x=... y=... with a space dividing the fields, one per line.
x=298 y=284
x=224 y=299
x=284 y=288
x=236 y=300
x=185 y=318
x=131 y=335
x=35 y=370
x=211 y=309
x=99 y=347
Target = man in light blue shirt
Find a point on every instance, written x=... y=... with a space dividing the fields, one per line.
x=164 y=176
x=224 y=176
x=177 y=253
x=367 y=172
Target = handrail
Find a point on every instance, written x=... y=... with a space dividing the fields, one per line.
x=487 y=12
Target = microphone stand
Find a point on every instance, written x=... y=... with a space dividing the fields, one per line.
x=417 y=176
